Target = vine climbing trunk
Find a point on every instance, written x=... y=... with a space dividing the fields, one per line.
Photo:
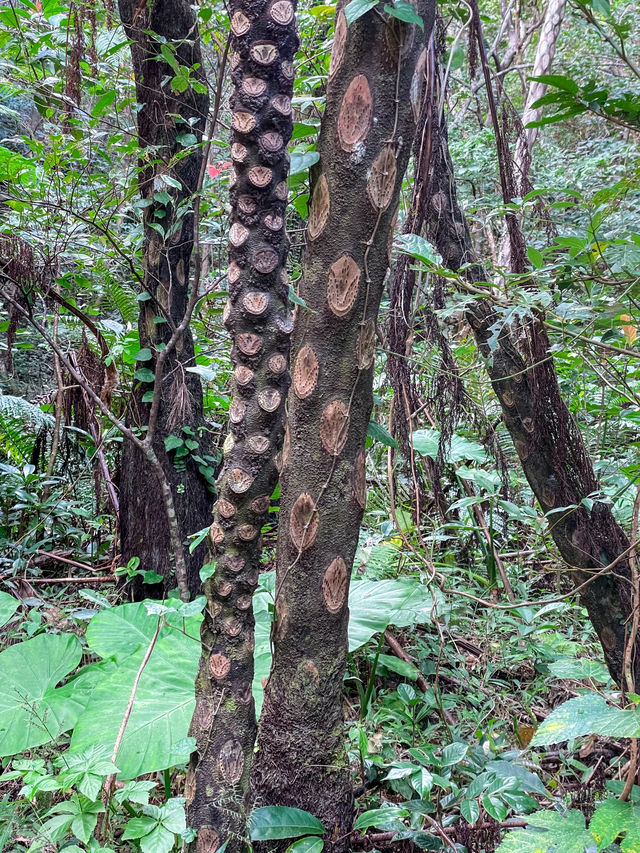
x=173 y=106
x=376 y=78
x=224 y=724
x=547 y=439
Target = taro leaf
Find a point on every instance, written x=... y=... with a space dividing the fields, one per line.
x=274 y=822
x=8 y=606
x=425 y=441
x=373 y=606
x=550 y=831
x=156 y=733
x=586 y=715
x=580 y=668
x=32 y=711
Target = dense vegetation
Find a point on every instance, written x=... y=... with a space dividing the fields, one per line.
x=385 y=599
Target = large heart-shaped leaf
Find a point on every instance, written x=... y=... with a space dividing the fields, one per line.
x=156 y=732
x=32 y=711
x=8 y=606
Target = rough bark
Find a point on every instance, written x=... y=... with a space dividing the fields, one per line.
x=375 y=83
x=224 y=724
x=546 y=437
x=164 y=116
x=542 y=64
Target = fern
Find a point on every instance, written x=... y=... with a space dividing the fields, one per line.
x=21 y=422
x=122 y=299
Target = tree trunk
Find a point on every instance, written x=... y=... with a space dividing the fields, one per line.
x=165 y=119
x=224 y=722
x=543 y=61
x=546 y=437
x=375 y=83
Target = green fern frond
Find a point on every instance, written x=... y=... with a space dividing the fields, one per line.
x=122 y=298
x=20 y=424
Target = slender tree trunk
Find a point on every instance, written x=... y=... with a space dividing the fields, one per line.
x=376 y=80
x=543 y=61
x=224 y=722
x=167 y=118
x=546 y=437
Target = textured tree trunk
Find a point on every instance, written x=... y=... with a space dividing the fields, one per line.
x=546 y=437
x=375 y=84
x=543 y=61
x=164 y=119
x=257 y=317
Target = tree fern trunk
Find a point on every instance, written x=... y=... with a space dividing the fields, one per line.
x=257 y=317
x=375 y=82
x=166 y=119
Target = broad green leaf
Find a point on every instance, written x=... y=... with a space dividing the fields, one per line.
x=425 y=441
x=103 y=103
x=608 y=821
x=306 y=845
x=380 y=817
x=528 y=781
x=402 y=667
x=156 y=734
x=8 y=606
x=559 y=81
x=143 y=374
x=585 y=715
x=378 y=433
x=404 y=11
x=172 y=442
x=580 y=668
x=418 y=248
x=453 y=754
x=32 y=711
x=550 y=831
x=357 y=8
x=302 y=162
x=274 y=822
x=470 y=810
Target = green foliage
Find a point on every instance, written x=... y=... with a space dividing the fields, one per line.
x=21 y=423
x=32 y=710
x=584 y=715
x=270 y=823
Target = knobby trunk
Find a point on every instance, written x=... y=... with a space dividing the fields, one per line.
x=374 y=90
x=168 y=180
x=224 y=724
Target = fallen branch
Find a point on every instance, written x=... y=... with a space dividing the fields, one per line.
x=96 y=579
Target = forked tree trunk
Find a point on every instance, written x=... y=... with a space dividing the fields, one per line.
x=375 y=83
x=166 y=119
x=224 y=722
x=546 y=437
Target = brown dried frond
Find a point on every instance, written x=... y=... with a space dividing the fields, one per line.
x=181 y=408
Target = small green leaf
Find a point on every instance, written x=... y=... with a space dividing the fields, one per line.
x=162 y=198
x=559 y=81
x=378 y=433
x=8 y=606
x=172 y=442
x=103 y=103
x=453 y=754
x=380 y=817
x=302 y=162
x=143 y=355
x=148 y=396
x=143 y=374
x=404 y=11
x=357 y=8
x=535 y=257
x=306 y=845
x=470 y=810
x=187 y=139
